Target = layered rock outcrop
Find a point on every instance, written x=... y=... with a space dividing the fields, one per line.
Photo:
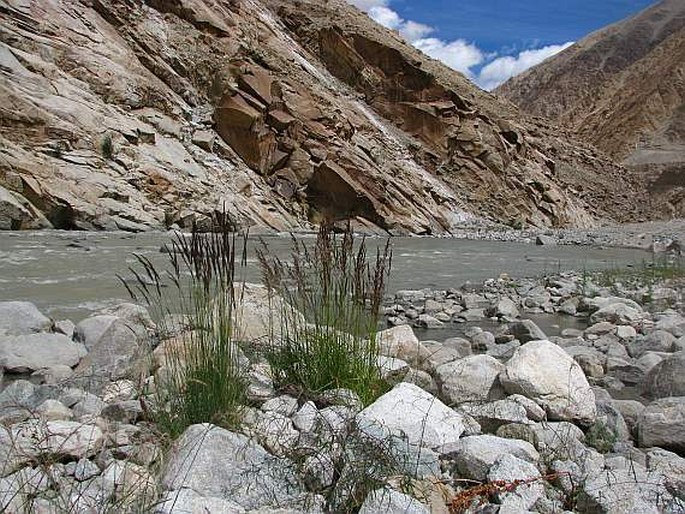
x=139 y=115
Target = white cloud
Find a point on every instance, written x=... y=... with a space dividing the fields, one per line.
x=408 y=29
x=503 y=68
x=413 y=30
x=457 y=54
x=386 y=17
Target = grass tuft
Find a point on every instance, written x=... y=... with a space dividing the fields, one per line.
x=202 y=379
x=333 y=295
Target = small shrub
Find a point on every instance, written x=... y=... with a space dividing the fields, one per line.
x=333 y=296
x=600 y=437
x=107 y=146
x=203 y=380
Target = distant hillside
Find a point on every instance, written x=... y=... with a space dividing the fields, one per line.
x=623 y=89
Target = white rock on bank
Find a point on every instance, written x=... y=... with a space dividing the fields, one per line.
x=421 y=417
x=53 y=410
x=662 y=424
x=114 y=344
x=475 y=455
x=544 y=372
x=215 y=462
x=57 y=438
x=401 y=343
x=187 y=501
x=22 y=318
x=389 y=501
x=618 y=314
x=626 y=491
x=28 y=353
x=472 y=379
x=510 y=469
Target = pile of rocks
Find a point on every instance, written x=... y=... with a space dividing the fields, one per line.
x=72 y=433
x=591 y=420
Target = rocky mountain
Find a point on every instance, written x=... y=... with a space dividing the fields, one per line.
x=623 y=89
x=131 y=114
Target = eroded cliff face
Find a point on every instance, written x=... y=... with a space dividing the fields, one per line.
x=622 y=89
x=136 y=115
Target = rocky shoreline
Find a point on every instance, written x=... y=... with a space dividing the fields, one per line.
x=538 y=422
x=657 y=236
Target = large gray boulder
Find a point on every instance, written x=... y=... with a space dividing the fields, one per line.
x=471 y=379
x=115 y=345
x=443 y=353
x=409 y=411
x=662 y=424
x=19 y=400
x=618 y=313
x=217 y=463
x=626 y=491
x=504 y=308
x=544 y=372
x=21 y=318
x=401 y=343
x=655 y=341
x=671 y=322
x=526 y=330
x=631 y=410
x=600 y=302
x=28 y=353
x=666 y=379
x=475 y=455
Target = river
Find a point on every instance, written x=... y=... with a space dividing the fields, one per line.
x=70 y=275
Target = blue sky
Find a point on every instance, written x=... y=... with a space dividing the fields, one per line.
x=491 y=40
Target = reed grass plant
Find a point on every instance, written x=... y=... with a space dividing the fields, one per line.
x=332 y=296
x=203 y=380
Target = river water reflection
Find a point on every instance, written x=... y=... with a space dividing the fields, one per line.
x=69 y=275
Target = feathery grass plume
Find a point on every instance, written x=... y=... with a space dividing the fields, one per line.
x=333 y=294
x=202 y=379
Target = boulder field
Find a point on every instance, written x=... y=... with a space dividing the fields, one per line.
x=587 y=421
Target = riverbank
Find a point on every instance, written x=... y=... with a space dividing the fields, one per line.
x=655 y=236
x=590 y=420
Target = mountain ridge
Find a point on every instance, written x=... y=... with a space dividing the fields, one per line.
x=133 y=115
x=622 y=88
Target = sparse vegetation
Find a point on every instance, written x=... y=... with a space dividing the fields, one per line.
x=479 y=494
x=600 y=437
x=646 y=274
x=201 y=379
x=107 y=146
x=644 y=277
x=333 y=296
